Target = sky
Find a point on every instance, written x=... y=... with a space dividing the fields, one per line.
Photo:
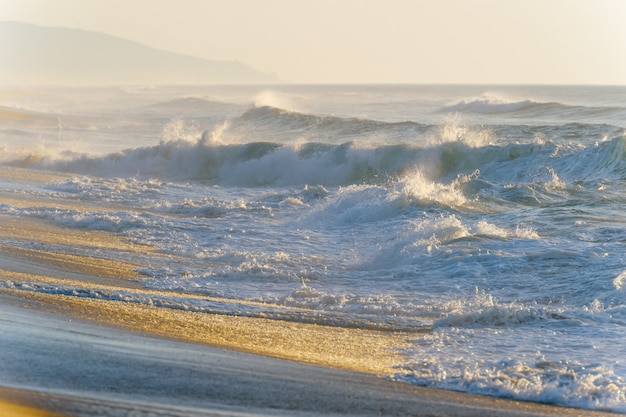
x=369 y=41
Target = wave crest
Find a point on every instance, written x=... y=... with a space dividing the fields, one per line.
x=458 y=152
x=267 y=163
x=490 y=105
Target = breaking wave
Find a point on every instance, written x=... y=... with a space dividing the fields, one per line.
x=488 y=105
x=318 y=163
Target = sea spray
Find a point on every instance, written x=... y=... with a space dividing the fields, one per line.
x=488 y=221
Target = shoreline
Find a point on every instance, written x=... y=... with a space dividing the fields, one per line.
x=365 y=351
x=13 y=404
x=36 y=274
x=71 y=353
x=188 y=379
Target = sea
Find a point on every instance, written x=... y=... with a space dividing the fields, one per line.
x=487 y=221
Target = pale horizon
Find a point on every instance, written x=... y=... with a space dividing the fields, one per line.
x=369 y=42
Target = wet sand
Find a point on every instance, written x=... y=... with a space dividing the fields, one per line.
x=85 y=356
x=80 y=368
x=15 y=408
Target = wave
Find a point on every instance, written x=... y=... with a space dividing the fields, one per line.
x=319 y=163
x=501 y=315
x=323 y=127
x=273 y=124
x=528 y=108
x=13 y=116
x=489 y=105
x=564 y=382
x=447 y=357
x=192 y=105
x=115 y=222
x=185 y=102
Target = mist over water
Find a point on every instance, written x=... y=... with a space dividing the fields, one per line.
x=489 y=220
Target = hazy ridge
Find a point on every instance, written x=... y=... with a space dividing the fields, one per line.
x=31 y=54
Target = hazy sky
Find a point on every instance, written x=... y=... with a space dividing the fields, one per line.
x=382 y=41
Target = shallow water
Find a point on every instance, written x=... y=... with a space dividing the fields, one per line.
x=490 y=216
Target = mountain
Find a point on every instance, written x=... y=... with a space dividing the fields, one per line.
x=31 y=54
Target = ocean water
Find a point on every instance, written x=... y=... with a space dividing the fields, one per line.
x=489 y=220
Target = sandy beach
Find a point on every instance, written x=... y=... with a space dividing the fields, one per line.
x=79 y=368
x=65 y=353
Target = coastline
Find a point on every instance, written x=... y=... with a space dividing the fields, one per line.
x=73 y=354
x=12 y=407
x=185 y=378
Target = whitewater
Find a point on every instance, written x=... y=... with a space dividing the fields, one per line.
x=488 y=220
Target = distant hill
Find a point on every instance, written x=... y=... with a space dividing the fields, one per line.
x=31 y=54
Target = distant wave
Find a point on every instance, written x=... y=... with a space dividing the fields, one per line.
x=528 y=107
x=323 y=126
x=489 y=105
x=194 y=104
x=9 y=115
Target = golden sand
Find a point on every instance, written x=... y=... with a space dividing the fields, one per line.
x=70 y=263
x=44 y=232
x=18 y=403
x=10 y=409
x=82 y=264
x=354 y=349
x=347 y=348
